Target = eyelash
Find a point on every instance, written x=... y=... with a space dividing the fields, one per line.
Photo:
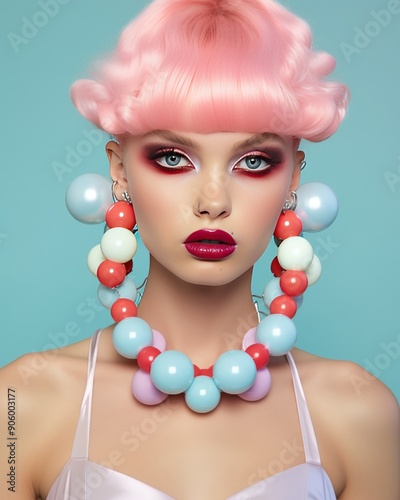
x=271 y=160
x=162 y=153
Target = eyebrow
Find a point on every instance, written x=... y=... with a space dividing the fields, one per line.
x=247 y=143
x=172 y=137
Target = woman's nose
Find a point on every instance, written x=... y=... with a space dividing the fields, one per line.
x=213 y=198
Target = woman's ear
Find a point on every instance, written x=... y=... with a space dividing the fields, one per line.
x=117 y=170
x=299 y=161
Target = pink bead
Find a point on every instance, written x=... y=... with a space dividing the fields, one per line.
x=249 y=338
x=260 y=388
x=121 y=214
x=159 y=341
x=144 y=390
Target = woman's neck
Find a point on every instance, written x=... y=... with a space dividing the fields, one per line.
x=201 y=321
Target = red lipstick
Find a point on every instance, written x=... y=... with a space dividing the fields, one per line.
x=210 y=244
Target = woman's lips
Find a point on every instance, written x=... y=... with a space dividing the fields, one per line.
x=210 y=244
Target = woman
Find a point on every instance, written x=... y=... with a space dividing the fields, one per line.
x=208 y=101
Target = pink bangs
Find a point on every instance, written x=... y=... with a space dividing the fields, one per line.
x=215 y=65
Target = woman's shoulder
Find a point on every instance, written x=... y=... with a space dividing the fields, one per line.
x=359 y=417
x=346 y=387
x=341 y=379
x=42 y=392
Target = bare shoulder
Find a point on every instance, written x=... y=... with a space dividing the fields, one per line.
x=362 y=416
x=42 y=391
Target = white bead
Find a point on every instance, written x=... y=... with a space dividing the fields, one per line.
x=95 y=258
x=119 y=244
x=295 y=254
x=313 y=271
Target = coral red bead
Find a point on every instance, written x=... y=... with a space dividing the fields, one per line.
x=293 y=283
x=146 y=357
x=283 y=305
x=208 y=372
x=260 y=355
x=128 y=266
x=123 y=308
x=111 y=274
x=121 y=214
x=276 y=269
x=288 y=225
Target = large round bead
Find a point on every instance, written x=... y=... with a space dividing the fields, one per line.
x=94 y=259
x=278 y=333
x=121 y=214
x=272 y=290
x=288 y=225
x=130 y=336
x=145 y=391
x=172 y=372
x=107 y=296
x=295 y=253
x=317 y=206
x=234 y=372
x=260 y=388
x=294 y=283
x=123 y=308
x=88 y=198
x=313 y=271
x=203 y=395
x=111 y=274
x=118 y=244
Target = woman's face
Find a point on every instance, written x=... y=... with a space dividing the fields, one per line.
x=229 y=186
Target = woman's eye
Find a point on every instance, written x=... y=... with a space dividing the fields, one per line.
x=254 y=163
x=172 y=160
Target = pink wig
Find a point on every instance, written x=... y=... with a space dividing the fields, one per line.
x=215 y=65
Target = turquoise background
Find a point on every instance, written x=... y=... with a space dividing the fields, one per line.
x=48 y=297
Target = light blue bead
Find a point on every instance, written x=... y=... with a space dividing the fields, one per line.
x=203 y=395
x=89 y=197
x=271 y=291
x=234 y=372
x=107 y=296
x=127 y=290
x=278 y=333
x=172 y=372
x=131 y=335
x=317 y=206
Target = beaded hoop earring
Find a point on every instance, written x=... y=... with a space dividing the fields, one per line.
x=243 y=372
